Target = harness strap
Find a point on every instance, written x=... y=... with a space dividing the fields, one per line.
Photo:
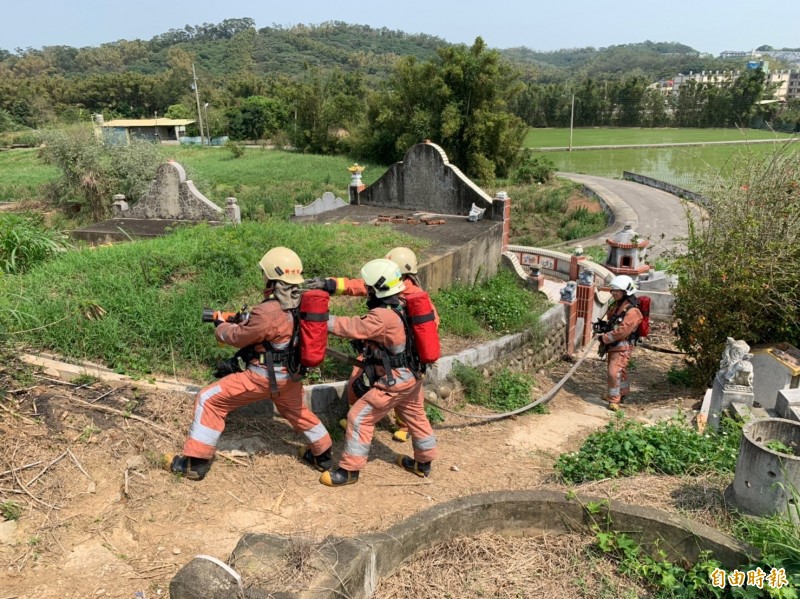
x=273 y=380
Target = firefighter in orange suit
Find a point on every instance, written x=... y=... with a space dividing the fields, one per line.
x=386 y=382
x=622 y=321
x=268 y=330
x=407 y=261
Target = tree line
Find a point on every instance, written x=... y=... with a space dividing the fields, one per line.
x=393 y=91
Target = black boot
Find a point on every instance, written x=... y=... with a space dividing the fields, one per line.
x=422 y=469
x=338 y=477
x=189 y=467
x=321 y=462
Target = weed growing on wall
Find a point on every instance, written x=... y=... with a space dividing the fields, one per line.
x=504 y=391
x=500 y=305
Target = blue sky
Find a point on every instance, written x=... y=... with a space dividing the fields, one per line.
x=706 y=25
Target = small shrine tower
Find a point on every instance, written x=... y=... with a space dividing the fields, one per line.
x=626 y=253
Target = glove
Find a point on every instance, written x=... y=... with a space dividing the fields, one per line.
x=322 y=283
x=219 y=318
x=599 y=327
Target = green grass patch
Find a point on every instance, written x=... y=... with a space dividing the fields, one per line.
x=607 y=136
x=267 y=181
x=25 y=242
x=541 y=214
x=21 y=175
x=626 y=447
x=500 y=305
x=504 y=391
x=153 y=291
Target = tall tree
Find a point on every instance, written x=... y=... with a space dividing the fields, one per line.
x=461 y=100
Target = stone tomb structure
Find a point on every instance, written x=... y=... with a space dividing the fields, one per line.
x=427 y=197
x=732 y=387
x=171 y=200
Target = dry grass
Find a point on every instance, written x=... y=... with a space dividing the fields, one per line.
x=489 y=565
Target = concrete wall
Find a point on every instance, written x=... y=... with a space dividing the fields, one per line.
x=557 y=264
x=426 y=181
x=353 y=567
x=668 y=187
x=531 y=349
x=661 y=304
x=474 y=261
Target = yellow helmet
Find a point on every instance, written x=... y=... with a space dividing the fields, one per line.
x=383 y=276
x=282 y=264
x=404 y=258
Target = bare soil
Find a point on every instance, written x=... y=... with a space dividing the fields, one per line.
x=100 y=518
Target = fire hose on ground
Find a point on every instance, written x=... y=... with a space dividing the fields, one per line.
x=489 y=417
x=541 y=400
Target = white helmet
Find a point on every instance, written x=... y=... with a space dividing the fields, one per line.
x=623 y=283
x=282 y=264
x=383 y=276
x=404 y=258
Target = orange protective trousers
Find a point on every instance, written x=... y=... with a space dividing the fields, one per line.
x=618 y=385
x=357 y=287
x=366 y=412
x=214 y=402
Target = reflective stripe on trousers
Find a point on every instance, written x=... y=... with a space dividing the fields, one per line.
x=374 y=405
x=215 y=402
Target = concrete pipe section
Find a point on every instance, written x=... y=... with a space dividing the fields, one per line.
x=767 y=480
x=352 y=567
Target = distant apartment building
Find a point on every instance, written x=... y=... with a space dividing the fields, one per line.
x=716 y=78
x=786 y=83
x=793 y=86
x=791 y=57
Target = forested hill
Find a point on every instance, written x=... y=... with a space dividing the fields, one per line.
x=654 y=60
x=235 y=46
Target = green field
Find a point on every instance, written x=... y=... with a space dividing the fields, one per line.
x=603 y=136
x=271 y=182
x=694 y=168
x=268 y=180
x=21 y=174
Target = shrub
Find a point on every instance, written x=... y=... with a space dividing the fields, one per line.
x=505 y=391
x=534 y=169
x=738 y=277
x=500 y=304
x=509 y=391
x=92 y=171
x=236 y=149
x=24 y=242
x=626 y=447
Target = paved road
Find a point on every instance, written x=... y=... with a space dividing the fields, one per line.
x=651 y=212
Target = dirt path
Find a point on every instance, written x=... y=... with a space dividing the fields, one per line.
x=100 y=519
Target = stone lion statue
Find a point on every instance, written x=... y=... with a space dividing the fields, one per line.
x=735 y=367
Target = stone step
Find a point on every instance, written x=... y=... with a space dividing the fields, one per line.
x=744 y=412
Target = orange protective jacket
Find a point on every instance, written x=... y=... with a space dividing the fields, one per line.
x=267 y=323
x=618 y=338
x=358 y=288
x=380 y=328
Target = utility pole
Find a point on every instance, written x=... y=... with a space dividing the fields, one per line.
x=197 y=99
x=571 y=121
x=208 y=123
